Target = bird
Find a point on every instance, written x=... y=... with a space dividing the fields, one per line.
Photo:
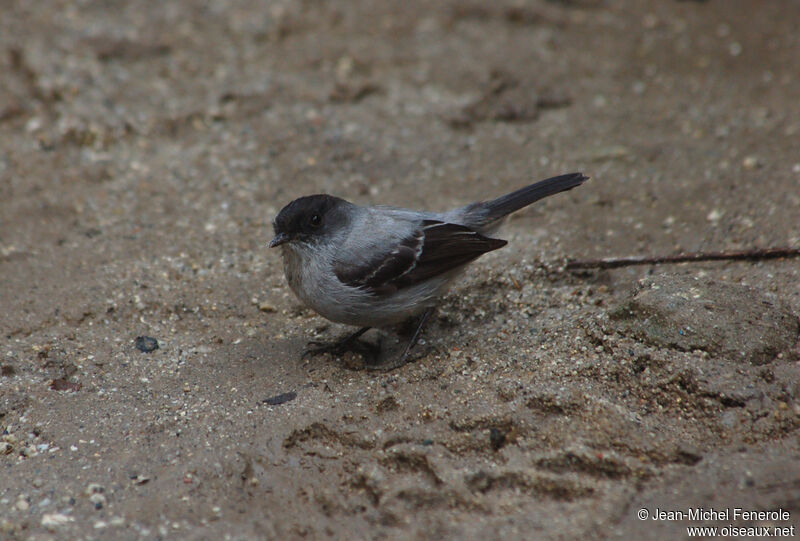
x=377 y=266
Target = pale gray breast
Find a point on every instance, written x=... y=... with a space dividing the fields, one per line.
x=369 y=233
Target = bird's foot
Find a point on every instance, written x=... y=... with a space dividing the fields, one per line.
x=404 y=358
x=340 y=347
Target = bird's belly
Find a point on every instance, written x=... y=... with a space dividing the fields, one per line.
x=321 y=290
x=326 y=295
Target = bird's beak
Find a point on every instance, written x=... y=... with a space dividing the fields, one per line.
x=279 y=239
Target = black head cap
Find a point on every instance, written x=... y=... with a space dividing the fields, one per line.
x=306 y=218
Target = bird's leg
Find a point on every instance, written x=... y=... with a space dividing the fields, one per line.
x=403 y=359
x=348 y=343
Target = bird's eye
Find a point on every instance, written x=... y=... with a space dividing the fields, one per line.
x=315 y=220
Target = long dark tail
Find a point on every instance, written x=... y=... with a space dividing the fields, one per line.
x=506 y=204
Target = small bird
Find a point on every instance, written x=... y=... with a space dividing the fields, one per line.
x=375 y=266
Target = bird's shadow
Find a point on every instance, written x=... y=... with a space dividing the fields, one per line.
x=377 y=349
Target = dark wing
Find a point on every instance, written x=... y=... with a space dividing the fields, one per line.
x=433 y=249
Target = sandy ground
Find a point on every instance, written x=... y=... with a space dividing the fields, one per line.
x=145 y=148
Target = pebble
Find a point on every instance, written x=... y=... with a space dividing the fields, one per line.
x=6 y=448
x=22 y=504
x=51 y=521
x=146 y=344
x=280 y=399
x=751 y=162
x=115 y=521
x=267 y=307
x=98 y=500
x=139 y=479
x=497 y=438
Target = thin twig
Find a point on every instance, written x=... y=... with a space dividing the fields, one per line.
x=688 y=257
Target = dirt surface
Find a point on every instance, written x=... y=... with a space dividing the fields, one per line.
x=146 y=146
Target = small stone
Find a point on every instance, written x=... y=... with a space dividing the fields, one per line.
x=751 y=162
x=267 y=307
x=139 y=479
x=22 y=504
x=6 y=448
x=37 y=483
x=714 y=215
x=116 y=521
x=497 y=438
x=98 y=499
x=146 y=344
x=280 y=399
x=51 y=521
